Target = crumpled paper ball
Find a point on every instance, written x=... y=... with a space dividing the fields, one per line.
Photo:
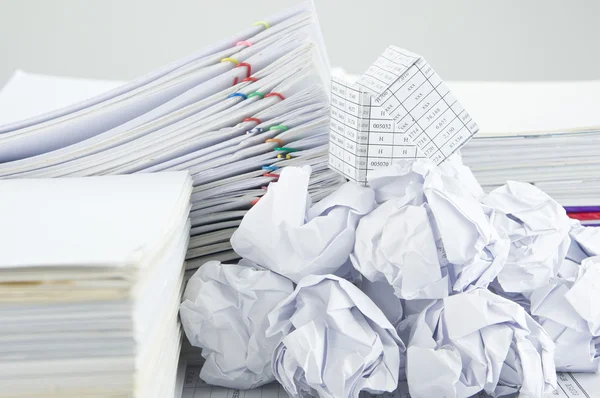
x=586 y=238
x=430 y=236
x=560 y=305
x=584 y=295
x=283 y=233
x=382 y=294
x=500 y=349
x=538 y=229
x=398 y=244
x=224 y=311
x=405 y=179
x=336 y=342
x=568 y=312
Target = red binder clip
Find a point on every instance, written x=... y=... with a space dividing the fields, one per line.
x=248 y=71
x=275 y=95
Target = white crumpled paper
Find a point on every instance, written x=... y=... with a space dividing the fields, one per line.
x=405 y=179
x=284 y=234
x=586 y=238
x=336 y=343
x=477 y=341
x=564 y=306
x=430 y=236
x=538 y=229
x=576 y=252
x=570 y=315
x=224 y=311
x=382 y=294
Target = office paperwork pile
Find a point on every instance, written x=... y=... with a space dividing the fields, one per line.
x=547 y=134
x=409 y=279
x=232 y=114
x=417 y=281
x=91 y=273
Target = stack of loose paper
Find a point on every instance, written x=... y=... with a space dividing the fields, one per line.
x=29 y=94
x=547 y=134
x=232 y=114
x=91 y=271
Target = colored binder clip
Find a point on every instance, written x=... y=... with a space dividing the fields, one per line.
x=249 y=79
x=263 y=23
x=255 y=130
x=243 y=43
x=255 y=201
x=276 y=140
x=229 y=59
x=278 y=127
x=256 y=94
x=251 y=119
x=286 y=150
x=269 y=168
x=275 y=95
x=276 y=176
x=237 y=95
x=248 y=68
x=248 y=71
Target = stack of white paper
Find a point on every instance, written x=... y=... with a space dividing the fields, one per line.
x=232 y=114
x=90 y=280
x=543 y=133
x=28 y=94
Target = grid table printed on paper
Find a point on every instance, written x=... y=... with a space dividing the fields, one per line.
x=362 y=136
x=414 y=95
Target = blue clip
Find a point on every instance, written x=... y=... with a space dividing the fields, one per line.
x=255 y=130
x=237 y=95
x=269 y=168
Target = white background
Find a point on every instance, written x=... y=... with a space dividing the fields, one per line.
x=462 y=39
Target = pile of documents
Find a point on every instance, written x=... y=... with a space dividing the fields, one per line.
x=342 y=288
x=91 y=273
x=232 y=114
x=543 y=133
x=409 y=272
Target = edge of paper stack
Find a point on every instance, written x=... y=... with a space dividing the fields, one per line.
x=91 y=273
x=232 y=115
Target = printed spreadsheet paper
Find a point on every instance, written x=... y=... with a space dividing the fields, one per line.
x=399 y=108
x=362 y=135
x=570 y=385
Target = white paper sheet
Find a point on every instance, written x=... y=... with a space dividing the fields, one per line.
x=59 y=241
x=26 y=94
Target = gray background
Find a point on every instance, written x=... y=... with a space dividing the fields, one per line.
x=463 y=39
